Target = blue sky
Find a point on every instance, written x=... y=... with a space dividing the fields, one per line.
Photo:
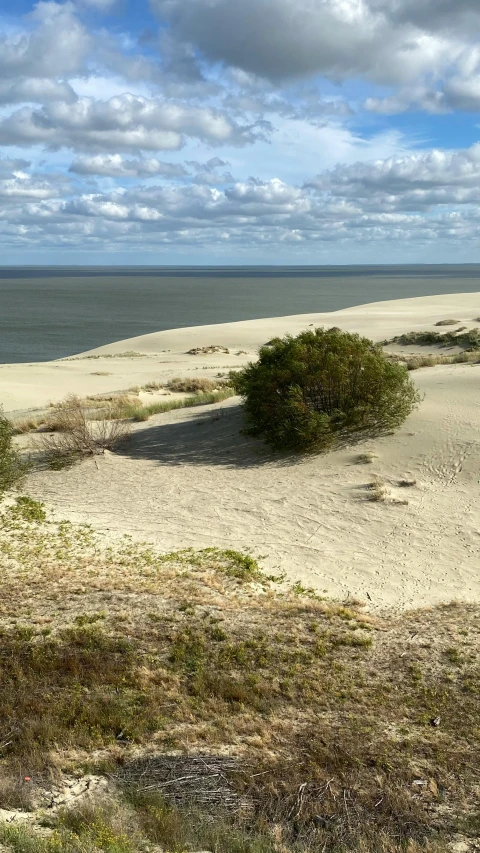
x=220 y=131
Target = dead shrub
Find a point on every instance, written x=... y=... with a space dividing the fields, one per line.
x=377 y=490
x=73 y=436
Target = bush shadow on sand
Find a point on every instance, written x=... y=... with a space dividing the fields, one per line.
x=217 y=437
x=213 y=437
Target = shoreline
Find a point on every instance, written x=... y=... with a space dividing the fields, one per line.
x=26 y=387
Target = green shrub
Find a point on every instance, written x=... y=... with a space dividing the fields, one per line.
x=11 y=466
x=306 y=392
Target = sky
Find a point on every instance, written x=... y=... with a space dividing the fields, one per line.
x=239 y=131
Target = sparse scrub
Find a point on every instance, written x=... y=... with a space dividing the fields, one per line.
x=12 y=468
x=76 y=436
x=449 y=322
x=26 y=425
x=414 y=362
x=317 y=726
x=193 y=384
x=365 y=458
x=377 y=490
x=306 y=393
x=127 y=354
x=407 y=482
x=468 y=339
x=138 y=412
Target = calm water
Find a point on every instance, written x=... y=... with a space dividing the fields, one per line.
x=48 y=313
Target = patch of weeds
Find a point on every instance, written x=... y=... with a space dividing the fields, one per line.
x=305 y=591
x=28 y=509
x=453 y=656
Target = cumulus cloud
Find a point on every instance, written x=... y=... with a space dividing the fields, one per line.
x=209 y=173
x=124 y=123
x=221 y=80
x=21 y=187
x=116 y=166
x=277 y=39
x=36 y=90
x=56 y=46
x=365 y=203
x=418 y=181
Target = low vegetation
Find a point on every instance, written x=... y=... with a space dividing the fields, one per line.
x=448 y=322
x=12 y=468
x=468 y=339
x=72 y=436
x=221 y=711
x=194 y=384
x=306 y=393
x=132 y=409
x=414 y=362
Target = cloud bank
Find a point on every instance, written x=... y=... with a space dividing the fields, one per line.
x=242 y=130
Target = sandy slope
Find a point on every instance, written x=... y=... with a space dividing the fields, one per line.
x=165 y=354
x=189 y=478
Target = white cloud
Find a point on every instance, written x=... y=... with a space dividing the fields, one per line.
x=124 y=123
x=36 y=90
x=114 y=165
x=57 y=45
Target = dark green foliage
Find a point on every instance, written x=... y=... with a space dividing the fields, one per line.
x=304 y=393
x=11 y=466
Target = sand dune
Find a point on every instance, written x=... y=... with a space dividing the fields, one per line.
x=190 y=478
x=165 y=354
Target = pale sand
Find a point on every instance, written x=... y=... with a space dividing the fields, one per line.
x=28 y=386
x=189 y=478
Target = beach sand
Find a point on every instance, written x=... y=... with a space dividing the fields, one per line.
x=189 y=478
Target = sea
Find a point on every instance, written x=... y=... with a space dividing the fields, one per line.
x=54 y=312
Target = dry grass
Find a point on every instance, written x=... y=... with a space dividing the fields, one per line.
x=366 y=458
x=73 y=436
x=111 y=657
x=469 y=339
x=414 y=362
x=136 y=411
x=193 y=384
x=26 y=425
x=377 y=490
x=407 y=482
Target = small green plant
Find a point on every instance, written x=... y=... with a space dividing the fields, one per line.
x=307 y=392
x=29 y=510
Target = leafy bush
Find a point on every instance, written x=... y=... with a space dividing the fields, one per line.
x=306 y=392
x=11 y=466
